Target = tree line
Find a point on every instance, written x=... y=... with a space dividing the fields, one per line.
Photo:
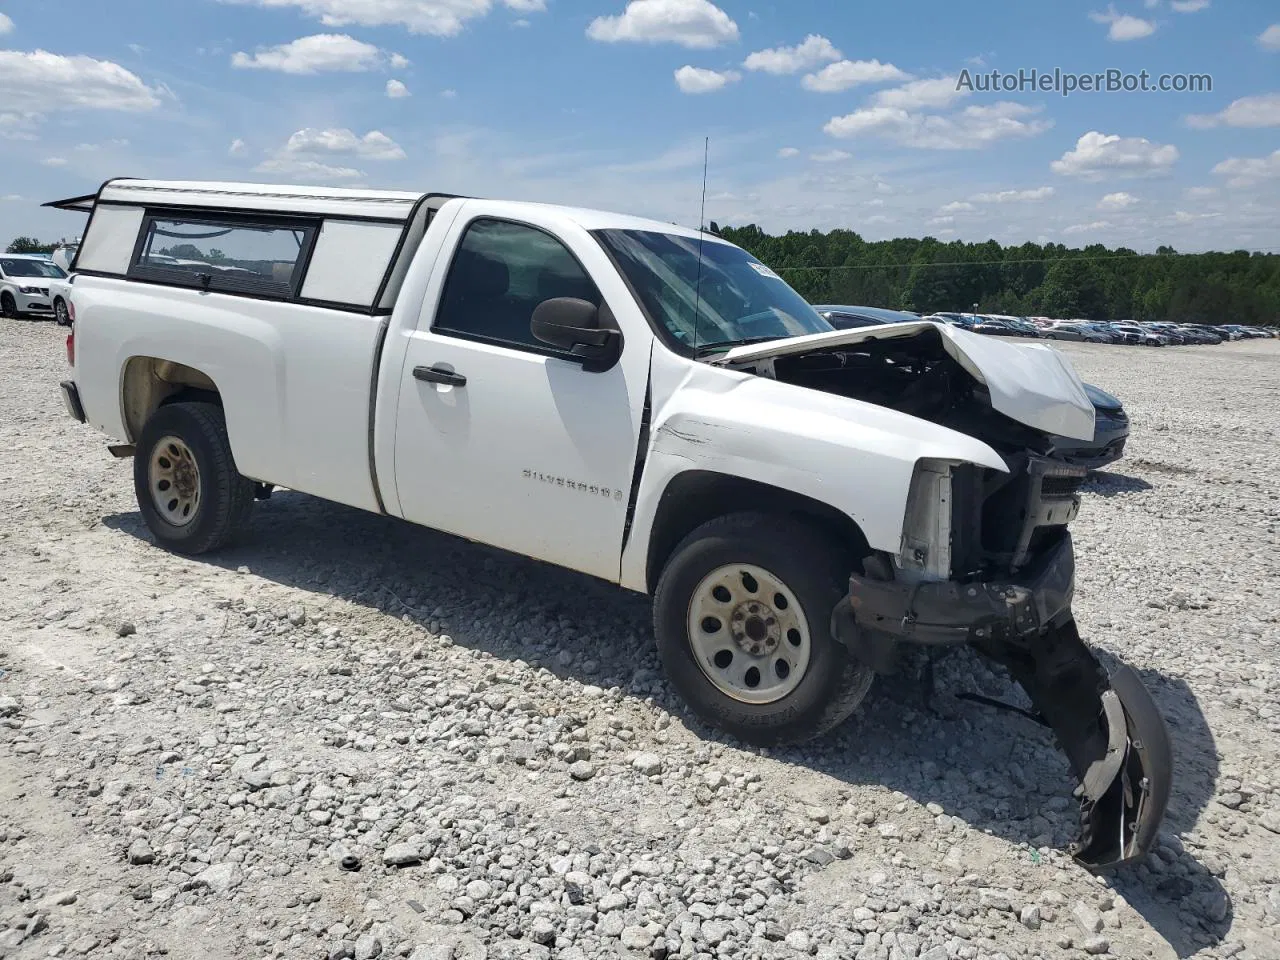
x=1094 y=283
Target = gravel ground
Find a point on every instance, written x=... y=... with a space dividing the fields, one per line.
x=193 y=750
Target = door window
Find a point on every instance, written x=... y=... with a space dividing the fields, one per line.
x=500 y=274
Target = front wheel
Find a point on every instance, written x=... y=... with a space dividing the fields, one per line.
x=61 y=313
x=8 y=306
x=742 y=615
x=189 y=492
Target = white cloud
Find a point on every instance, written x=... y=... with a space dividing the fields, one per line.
x=1014 y=196
x=54 y=161
x=374 y=145
x=941 y=221
x=698 y=80
x=45 y=82
x=830 y=156
x=237 y=148
x=1086 y=227
x=956 y=206
x=782 y=61
x=786 y=153
x=1183 y=216
x=449 y=94
x=19 y=126
x=1262 y=110
x=301 y=169
x=1117 y=201
x=1247 y=171
x=1269 y=39
x=696 y=24
x=441 y=18
x=1123 y=26
x=850 y=73
x=970 y=129
x=320 y=53
x=1189 y=6
x=1098 y=155
x=1201 y=193
x=919 y=94
x=6 y=25
x=10 y=198
x=115 y=142
x=398 y=61
x=396 y=90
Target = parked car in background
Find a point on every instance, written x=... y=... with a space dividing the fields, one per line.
x=1004 y=327
x=60 y=297
x=24 y=284
x=64 y=254
x=1079 y=332
x=1133 y=334
x=964 y=321
x=1110 y=433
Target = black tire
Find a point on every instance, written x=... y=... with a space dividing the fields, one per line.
x=8 y=306
x=60 y=312
x=225 y=497
x=817 y=573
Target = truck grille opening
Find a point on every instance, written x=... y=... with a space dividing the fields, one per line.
x=1002 y=521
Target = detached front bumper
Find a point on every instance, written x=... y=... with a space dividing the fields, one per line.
x=1108 y=726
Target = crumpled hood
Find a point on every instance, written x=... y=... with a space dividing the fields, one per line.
x=1032 y=384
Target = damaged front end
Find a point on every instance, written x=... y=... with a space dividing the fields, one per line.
x=1108 y=726
x=986 y=560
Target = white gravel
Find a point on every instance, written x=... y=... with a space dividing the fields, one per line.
x=193 y=752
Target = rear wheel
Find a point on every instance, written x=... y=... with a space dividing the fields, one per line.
x=189 y=491
x=8 y=306
x=742 y=615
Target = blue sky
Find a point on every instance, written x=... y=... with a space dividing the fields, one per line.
x=821 y=114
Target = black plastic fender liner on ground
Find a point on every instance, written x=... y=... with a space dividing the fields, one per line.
x=1109 y=727
x=1113 y=735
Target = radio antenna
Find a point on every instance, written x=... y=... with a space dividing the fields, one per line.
x=702 y=215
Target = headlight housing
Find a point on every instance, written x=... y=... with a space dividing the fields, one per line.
x=42 y=291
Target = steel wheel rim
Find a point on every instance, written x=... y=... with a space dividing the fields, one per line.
x=174 y=479
x=749 y=634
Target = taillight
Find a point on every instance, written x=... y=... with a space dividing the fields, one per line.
x=71 y=349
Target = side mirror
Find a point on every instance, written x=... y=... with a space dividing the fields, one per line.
x=574 y=325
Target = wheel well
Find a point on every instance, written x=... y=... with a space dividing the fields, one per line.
x=697 y=496
x=150 y=382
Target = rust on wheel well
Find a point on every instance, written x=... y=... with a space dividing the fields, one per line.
x=150 y=382
x=698 y=496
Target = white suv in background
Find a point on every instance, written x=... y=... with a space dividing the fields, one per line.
x=24 y=284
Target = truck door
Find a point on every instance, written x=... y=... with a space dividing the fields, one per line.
x=501 y=438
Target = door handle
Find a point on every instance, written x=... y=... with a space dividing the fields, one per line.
x=439 y=375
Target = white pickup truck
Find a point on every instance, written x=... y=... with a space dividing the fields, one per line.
x=641 y=402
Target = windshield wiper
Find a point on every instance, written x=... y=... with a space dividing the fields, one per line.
x=726 y=345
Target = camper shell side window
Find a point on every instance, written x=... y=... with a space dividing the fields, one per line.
x=258 y=255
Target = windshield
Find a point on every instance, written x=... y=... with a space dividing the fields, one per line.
x=729 y=298
x=14 y=267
